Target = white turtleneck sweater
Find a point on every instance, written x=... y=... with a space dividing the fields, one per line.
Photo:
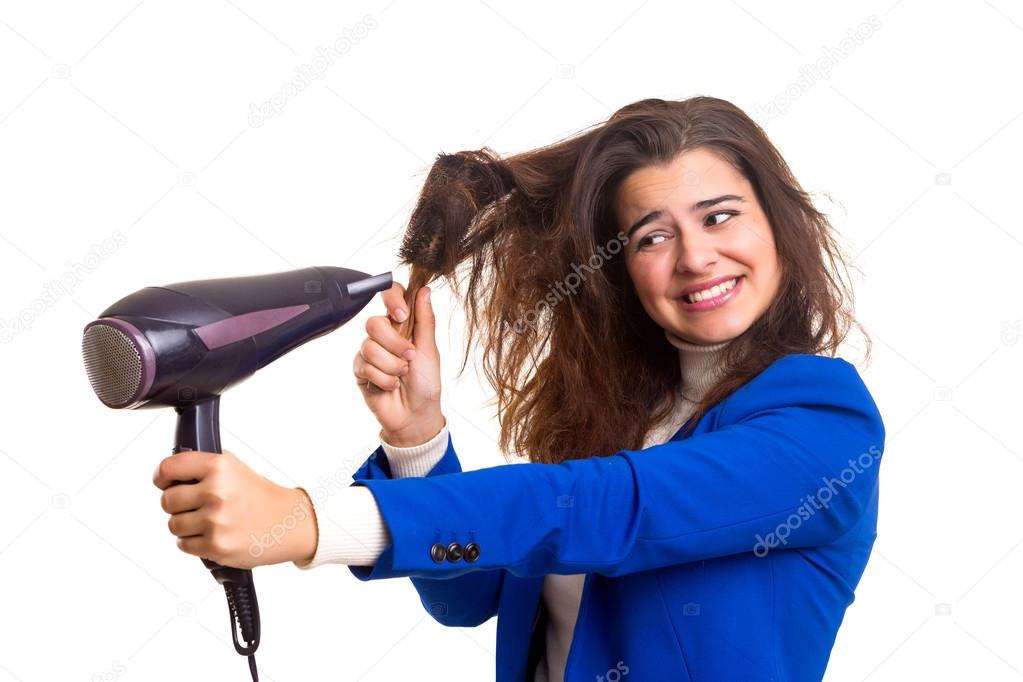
x=352 y=531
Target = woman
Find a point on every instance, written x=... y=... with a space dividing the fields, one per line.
x=660 y=307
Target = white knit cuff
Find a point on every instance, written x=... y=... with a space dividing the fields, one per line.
x=417 y=460
x=350 y=529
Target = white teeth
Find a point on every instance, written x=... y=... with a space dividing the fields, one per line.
x=714 y=291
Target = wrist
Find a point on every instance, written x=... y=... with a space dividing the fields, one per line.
x=306 y=530
x=416 y=434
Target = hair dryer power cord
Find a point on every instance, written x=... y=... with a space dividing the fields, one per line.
x=243 y=609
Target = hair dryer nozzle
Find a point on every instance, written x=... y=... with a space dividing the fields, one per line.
x=370 y=285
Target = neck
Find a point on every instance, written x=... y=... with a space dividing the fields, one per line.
x=701 y=364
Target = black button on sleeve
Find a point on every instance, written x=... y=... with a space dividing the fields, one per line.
x=472 y=552
x=438 y=553
x=454 y=552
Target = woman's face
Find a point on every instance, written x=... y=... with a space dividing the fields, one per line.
x=690 y=234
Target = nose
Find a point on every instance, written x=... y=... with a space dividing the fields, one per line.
x=698 y=252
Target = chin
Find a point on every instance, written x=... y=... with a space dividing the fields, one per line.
x=709 y=334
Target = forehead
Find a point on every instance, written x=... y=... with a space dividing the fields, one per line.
x=693 y=175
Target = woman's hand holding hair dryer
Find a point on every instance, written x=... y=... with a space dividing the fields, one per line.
x=223 y=510
x=400 y=378
x=226 y=512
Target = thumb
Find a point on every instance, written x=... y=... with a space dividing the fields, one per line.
x=425 y=322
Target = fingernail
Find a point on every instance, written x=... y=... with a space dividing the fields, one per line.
x=400 y=314
x=427 y=295
x=403 y=371
x=409 y=354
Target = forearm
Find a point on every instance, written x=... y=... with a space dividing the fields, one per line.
x=349 y=530
x=347 y=525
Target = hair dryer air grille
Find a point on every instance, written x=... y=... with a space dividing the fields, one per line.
x=115 y=355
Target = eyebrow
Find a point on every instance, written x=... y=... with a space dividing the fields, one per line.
x=698 y=206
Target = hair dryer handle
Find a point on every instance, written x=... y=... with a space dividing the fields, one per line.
x=198 y=429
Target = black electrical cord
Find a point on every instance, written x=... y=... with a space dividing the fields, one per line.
x=243 y=609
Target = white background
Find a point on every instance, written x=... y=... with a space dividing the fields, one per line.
x=133 y=118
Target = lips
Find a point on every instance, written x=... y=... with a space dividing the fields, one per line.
x=710 y=283
x=710 y=304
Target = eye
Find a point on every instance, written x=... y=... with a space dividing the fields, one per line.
x=645 y=240
x=727 y=213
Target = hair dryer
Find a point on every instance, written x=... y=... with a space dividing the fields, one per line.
x=184 y=344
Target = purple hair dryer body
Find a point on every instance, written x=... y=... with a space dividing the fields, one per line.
x=184 y=344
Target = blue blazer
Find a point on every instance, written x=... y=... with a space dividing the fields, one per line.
x=729 y=554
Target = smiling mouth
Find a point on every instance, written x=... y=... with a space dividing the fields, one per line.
x=712 y=293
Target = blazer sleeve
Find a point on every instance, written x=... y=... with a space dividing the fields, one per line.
x=463 y=601
x=792 y=461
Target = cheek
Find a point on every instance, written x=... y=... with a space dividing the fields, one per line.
x=649 y=277
x=754 y=245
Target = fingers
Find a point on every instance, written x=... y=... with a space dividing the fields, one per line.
x=378 y=357
x=196 y=545
x=184 y=466
x=385 y=354
x=374 y=376
x=425 y=322
x=187 y=524
x=383 y=332
x=394 y=301
x=181 y=498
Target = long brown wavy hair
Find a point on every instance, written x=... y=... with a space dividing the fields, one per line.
x=579 y=368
